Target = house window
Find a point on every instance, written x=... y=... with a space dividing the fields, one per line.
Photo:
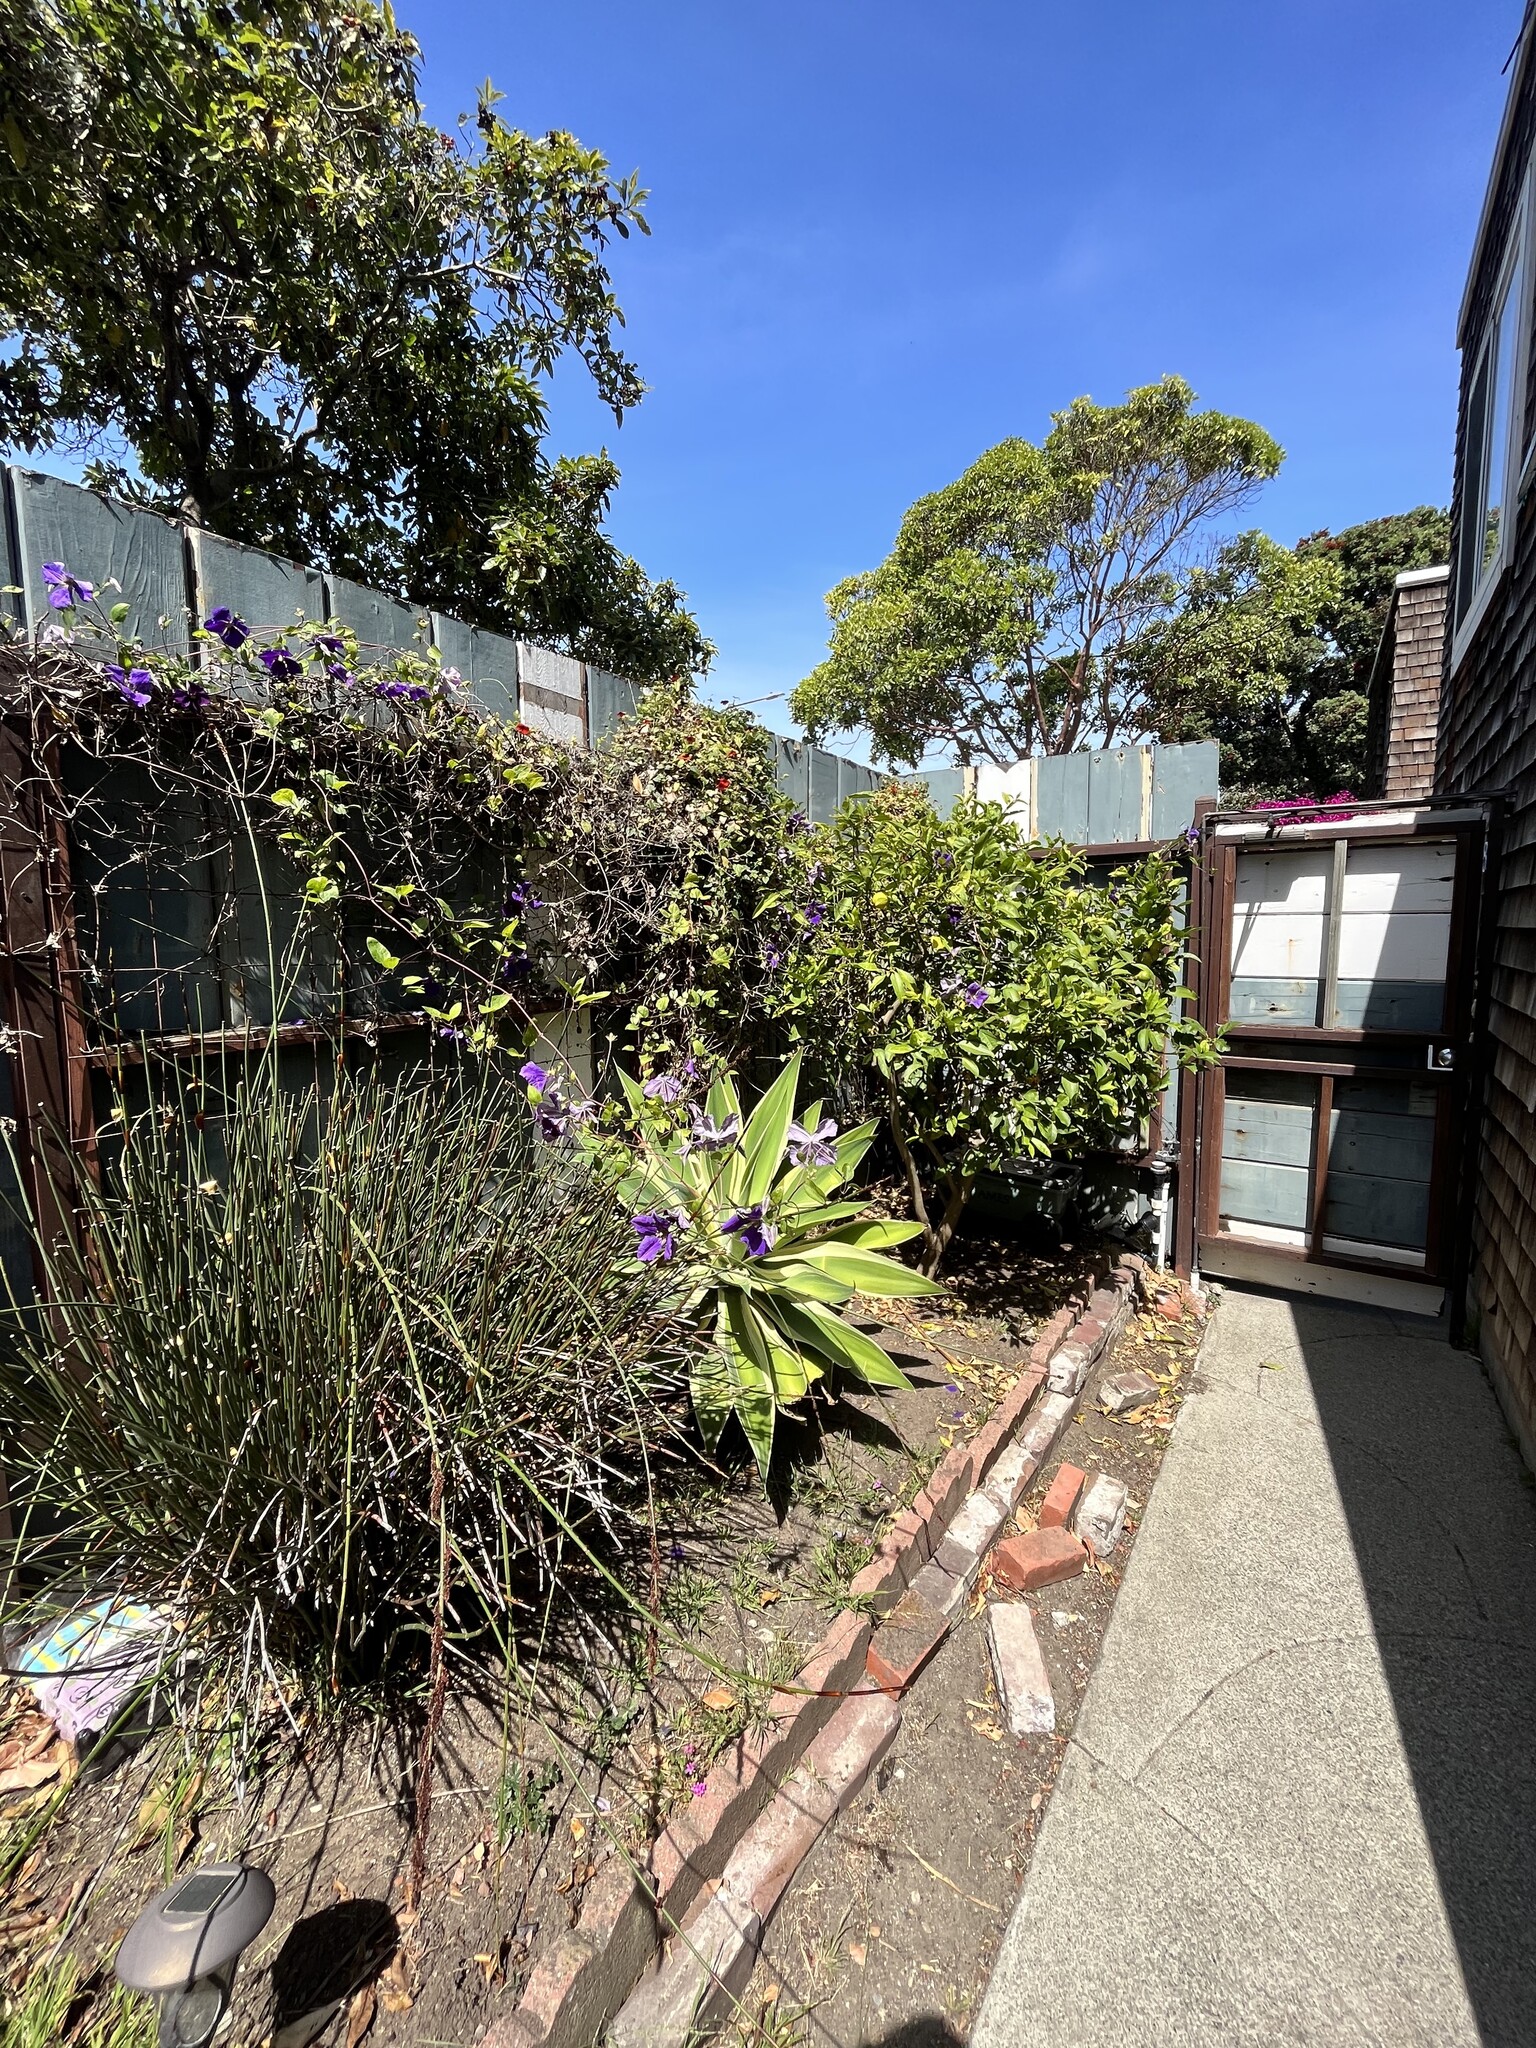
x=1487 y=467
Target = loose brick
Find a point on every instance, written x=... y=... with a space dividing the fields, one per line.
x=1061 y=1496
x=971 y=1535
x=1038 y=1558
x=904 y=1642
x=1010 y=1478
x=1069 y=1366
x=1019 y=1669
x=1101 y=1517
x=1126 y=1390
x=1050 y=1419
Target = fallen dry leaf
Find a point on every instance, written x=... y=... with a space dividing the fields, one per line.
x=718 y=1698
x=28 y=1776
x=579 y=1828
x=769 y=1594
x=857 y=1953
x=360 y=2015
x=394 y=1987
x=29 y=1739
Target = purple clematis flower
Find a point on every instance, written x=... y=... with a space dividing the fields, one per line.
x=134 y=685
x=977 y=995
x=773 y=959
x=65 y=591
x=410 y=693
x=521 y=897
x=329 y=644
x=658 y=1231
x=228 y=626
x=663 y=1088
x=815 y=914
x=705 y=1135
x=339 y=674
x=795 y=822
x=754 y=1233
x=280 y=665
x=189 y=697
x=534 y=1075
x=813 y=1148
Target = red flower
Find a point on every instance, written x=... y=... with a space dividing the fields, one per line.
x=525 y=728
x=722 y=782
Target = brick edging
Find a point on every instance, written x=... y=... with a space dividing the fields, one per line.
x=631 y=1906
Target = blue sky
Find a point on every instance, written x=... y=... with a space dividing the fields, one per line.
x=887 y=235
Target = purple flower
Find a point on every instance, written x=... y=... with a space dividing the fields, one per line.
x=773 y=959
x=227 y=626
x=663 y=1088
x=705 y=1135
x=134 y=685
x=410 y=693
x=794 y=823
x=690 y=1068
x=280 y=665
x=677 y=1553
x=658 y=1231
x=339 y=673
x=534 y=1075
x=329 y=644
x=65 y=591
x=756 y=1236
x=815 y=914
x=189 y=697
x=521 y=897
x=977 y=996
x=449 y=1031
x=813 y=1148
x=953 y=914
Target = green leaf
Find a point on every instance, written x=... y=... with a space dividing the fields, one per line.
x=754 y=1383
x=841 y=1343
x=762 y=1141
x=285 y=799
x=877 y=1234
x=866 y=1272
x=788 y=1275
x=382 y=955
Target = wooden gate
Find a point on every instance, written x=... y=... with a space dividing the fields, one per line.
x=1339 y=953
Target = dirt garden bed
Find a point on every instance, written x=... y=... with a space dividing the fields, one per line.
x=893 y=1924
x=607 y=1732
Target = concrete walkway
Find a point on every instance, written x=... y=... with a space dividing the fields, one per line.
x=1299 y=1805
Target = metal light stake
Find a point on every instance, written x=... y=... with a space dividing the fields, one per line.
x=183 y=1948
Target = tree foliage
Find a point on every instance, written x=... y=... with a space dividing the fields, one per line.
x=975 y=988
x=1273 y=657
x=1012 y=614
x=249 y=278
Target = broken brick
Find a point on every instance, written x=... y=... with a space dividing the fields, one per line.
x=1126 y=1390
x=1018 y=1669
x=1061 y=1496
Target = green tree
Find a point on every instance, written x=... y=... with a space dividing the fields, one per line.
x=973 y=987
x=1273 y=655
x=248 y=278
x=1012 y=612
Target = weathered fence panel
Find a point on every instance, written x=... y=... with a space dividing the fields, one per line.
x=267 y=592
x=104 y=541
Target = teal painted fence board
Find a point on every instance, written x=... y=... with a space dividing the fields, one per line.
x=100 y=539
x=1377 y=1211
x=1114 y=795
x=1262 y=1000
x=945 y=787
x=1181 y=776
x=378 y=621
x=824 y=788
x=609 y=698
x=1276 y=1133
x=1254 y=1191
x=1061 y=798
x=495 y=673
x=455 y=642
x=268 y=593
x=793 y=768
x=1391 y=1005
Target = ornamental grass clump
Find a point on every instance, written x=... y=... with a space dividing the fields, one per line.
x=333 y=1373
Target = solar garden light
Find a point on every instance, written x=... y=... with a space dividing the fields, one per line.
x=183 y=1948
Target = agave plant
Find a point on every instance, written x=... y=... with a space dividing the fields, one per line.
x=748 y=1215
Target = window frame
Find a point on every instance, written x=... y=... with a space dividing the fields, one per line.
x=1516 y=267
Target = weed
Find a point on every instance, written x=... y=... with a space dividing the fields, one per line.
x=833 y=1564
x=523 y=1806
x=747 y=1574
x=41 y=2014
x=688 y=1599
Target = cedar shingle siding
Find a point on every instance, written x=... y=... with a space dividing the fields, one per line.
x=1487 y=743
x=1405 y=688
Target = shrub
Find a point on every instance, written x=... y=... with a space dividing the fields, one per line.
x=975 y=987
x=326 y=1360
x=747 y=1219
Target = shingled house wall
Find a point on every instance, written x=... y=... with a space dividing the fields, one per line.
x=1487 y=744
x=1405 y=687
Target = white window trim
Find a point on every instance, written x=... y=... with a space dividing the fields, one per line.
x=1519 y=461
